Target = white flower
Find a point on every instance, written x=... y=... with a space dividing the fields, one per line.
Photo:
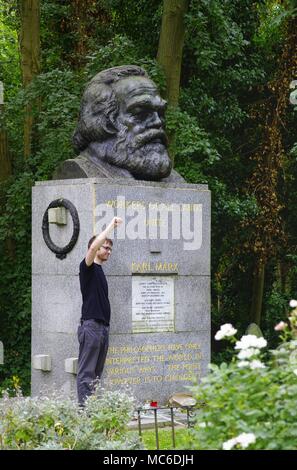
x=228 y=445
x=261 y=343
x=202 y=425
x=225 y=330
x=250 y=341
x=255 y=364
x=293 y=303
x=280 y=326
x=243 y=363
x=295 y=371
x=219 y=335
x=247 y=353
x=245 y=439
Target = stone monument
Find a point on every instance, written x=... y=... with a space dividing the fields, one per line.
x=159 y=272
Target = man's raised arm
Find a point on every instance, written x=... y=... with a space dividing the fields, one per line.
x=100 y=239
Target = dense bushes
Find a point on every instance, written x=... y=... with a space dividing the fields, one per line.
x=250 y=402
x=52 y=421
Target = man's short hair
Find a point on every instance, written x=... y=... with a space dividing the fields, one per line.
x=108 y=240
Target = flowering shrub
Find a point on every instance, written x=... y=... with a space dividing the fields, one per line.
x=250 y=402
x=56 y=422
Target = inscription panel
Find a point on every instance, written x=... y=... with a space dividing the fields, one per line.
x=153 y=363
x=152 y=304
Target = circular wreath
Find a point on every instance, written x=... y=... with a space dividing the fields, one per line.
x=61 y=252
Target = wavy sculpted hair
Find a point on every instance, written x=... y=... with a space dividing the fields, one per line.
x=99 y=106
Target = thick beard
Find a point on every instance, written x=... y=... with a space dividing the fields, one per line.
x=143 y=158
x=148 y=162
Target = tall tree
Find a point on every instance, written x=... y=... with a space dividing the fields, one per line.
x=5 y=167
x=171 y=45
x=5 y=164
x=170 y=52
x=268 y=228
x=30 y=58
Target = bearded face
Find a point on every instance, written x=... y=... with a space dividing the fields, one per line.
x=144 y=155
x=140 y=143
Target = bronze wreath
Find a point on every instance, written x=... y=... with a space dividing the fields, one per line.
x=61 y=252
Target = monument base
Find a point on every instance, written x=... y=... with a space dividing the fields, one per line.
x=158 y=277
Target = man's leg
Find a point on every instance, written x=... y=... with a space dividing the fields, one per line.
x=104 y=341
x=89 y=337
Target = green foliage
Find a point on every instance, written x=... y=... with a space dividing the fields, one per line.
x=56 y=95
x=249 y=401
x=120 y=50
x=139 y=20
x=219 y=51
x=275 y=309
x=165 y=438
x=238 y=402
x=53 y=421
x=273 y=16
x=56 y=43
x=190 y=141
x=9 y=57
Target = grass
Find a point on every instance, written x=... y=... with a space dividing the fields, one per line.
x=165 y=438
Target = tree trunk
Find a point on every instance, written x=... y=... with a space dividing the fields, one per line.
x=282 y=276
x=30 y=56
x=171 y=45
x=269 y=238
x=5 y=165
x=79 y=21
x=257 y=296
x=5 y=168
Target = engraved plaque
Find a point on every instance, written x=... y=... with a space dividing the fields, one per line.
x=152 y=304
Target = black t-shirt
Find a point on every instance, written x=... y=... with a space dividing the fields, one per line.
x=94 y=289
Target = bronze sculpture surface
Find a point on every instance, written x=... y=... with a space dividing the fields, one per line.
x=120 y=131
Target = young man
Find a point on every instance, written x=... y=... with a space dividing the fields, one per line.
x=93 y=330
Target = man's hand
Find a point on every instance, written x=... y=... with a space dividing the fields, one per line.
x=116 y=221
x=100 y=239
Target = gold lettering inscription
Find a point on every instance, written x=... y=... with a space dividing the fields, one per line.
x=180 y=357
x=178 y=378
x=152 y=348
x=172 y=367
x=153 y=363
x=154 y=222
x=171 y=207
x=127 y=360
x=147 y=266
x=124 y=381
x=166 y=266
x=141 y=267
x=198 y=355
x=125 y=204
x=153 y=378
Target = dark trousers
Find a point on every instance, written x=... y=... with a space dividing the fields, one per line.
x=93 y=345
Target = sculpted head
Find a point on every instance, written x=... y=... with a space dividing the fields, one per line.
x=121 y=122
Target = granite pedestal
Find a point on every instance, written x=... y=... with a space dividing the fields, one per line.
x=158 y=276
